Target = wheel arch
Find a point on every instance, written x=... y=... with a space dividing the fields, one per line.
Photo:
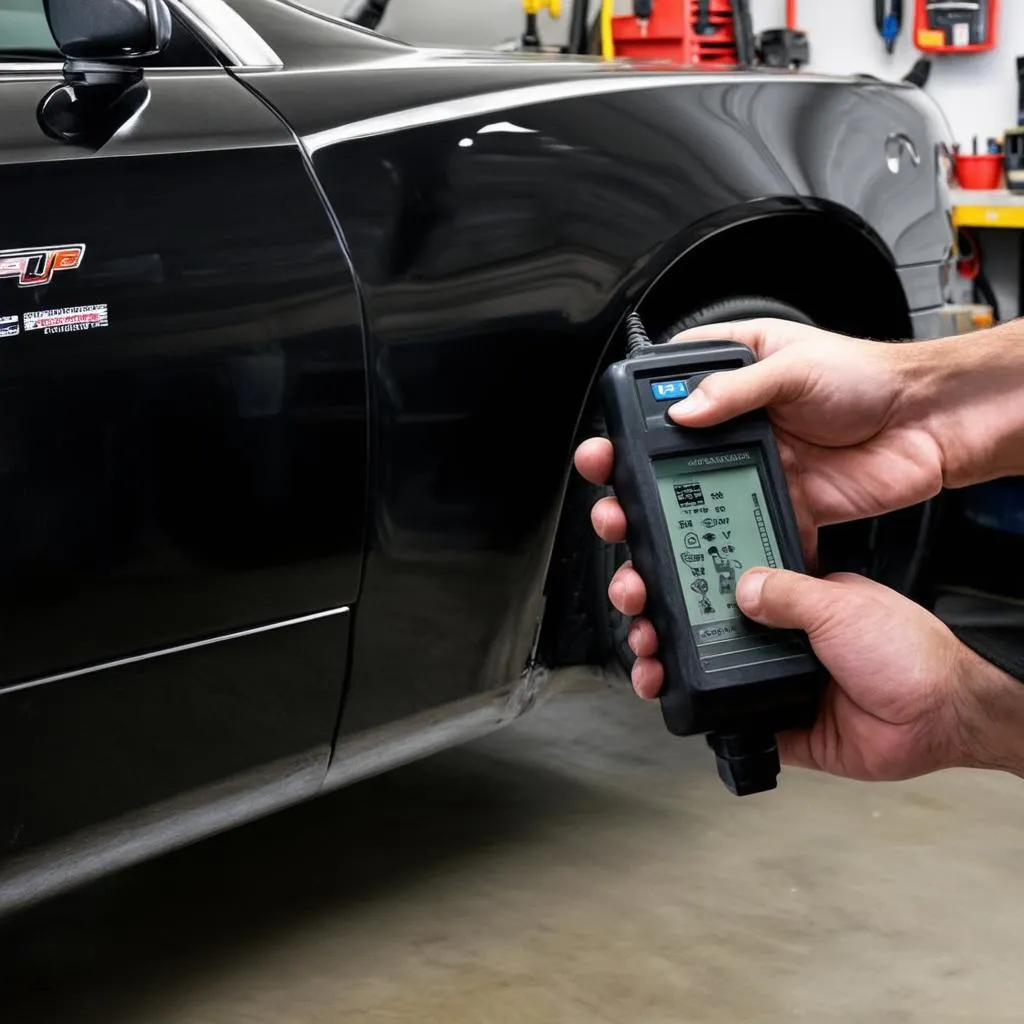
x=812 y=254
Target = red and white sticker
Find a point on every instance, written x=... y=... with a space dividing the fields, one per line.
x=70 y=318
x=9 y=326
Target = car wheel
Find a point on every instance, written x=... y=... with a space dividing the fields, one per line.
x=889 y=549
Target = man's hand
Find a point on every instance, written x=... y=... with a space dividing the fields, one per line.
x=905 y=697
x=849 y=448
x=865 y=428
x=899 y=678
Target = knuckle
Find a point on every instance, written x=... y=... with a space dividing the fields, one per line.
x=801 y=595
x=777 y=588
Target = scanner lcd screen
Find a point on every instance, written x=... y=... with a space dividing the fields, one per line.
x=720 y=526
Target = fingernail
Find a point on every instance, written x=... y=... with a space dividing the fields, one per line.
x=694 y=402
x=615 y=593
x=748 y=590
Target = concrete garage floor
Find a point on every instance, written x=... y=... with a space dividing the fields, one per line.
x=582 y=866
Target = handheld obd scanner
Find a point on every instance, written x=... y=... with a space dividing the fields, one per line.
x=704 y=505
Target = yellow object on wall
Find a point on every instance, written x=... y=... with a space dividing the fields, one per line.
x=607 y=42
x=536 y=6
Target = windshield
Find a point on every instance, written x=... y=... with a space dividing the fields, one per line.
x=24 y=32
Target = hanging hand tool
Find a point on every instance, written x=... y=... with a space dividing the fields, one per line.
x=642 y=11
x=743 y=30
x=579 y=27
x=531 y=37
x=784 y=47
x=702 y=26
x=956 y=26
x=889 y=20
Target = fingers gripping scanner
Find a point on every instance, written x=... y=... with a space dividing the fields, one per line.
x=704 y=505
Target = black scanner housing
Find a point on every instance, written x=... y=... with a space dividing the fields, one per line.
x=760 y=698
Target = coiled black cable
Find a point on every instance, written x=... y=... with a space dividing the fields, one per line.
x=637 y=340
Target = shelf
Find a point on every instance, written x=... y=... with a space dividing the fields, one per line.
x=978 y=208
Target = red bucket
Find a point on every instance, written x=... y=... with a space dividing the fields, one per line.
x=981 y=170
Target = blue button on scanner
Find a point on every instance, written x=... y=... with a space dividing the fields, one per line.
x=668 y=390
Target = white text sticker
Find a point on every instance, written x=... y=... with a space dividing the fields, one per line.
x=71 y=318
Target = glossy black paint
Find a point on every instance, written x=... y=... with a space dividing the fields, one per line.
x=201 y=466
x=89 y=752
x=196 y=468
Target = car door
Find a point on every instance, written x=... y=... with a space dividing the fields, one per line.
x=182 y=452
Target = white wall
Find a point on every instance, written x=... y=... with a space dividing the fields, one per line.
x=978 y=92
x=469 y=23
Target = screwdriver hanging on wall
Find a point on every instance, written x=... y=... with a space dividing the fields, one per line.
x=702 y=26
x=642 y=11
x=889 y=21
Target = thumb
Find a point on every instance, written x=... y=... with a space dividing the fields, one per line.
x=728 y=393
x=786 y=600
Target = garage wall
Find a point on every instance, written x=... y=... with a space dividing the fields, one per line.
x=978 y=93
x=490 y=22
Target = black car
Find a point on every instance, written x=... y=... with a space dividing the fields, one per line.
x=298 y=330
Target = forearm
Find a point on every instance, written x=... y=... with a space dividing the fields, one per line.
x=968 y=391
x=989 y=717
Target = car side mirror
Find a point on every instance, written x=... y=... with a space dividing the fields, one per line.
x=111 y=31
x=102 y=42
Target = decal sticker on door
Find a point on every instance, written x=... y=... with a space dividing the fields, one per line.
x=71 y=318
x=33 y=267
x=9 y=326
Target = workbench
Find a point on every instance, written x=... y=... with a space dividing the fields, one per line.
x=998 y=208
x=975 y=208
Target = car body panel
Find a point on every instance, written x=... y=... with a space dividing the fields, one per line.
x=191 y=470
x=313 y=469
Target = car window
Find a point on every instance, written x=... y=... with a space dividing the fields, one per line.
x=353 y=13
x=24 y=32
x=25 y=36
x=344 y=10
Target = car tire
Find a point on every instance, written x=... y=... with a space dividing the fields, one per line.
x=752 y=307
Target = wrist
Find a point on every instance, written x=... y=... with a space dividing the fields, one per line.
x=989 y=717
x=967 y=393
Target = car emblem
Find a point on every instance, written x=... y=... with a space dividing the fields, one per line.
x=33 y=267
x=898 y=146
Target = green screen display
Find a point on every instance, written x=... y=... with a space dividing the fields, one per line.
x=720 y=526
